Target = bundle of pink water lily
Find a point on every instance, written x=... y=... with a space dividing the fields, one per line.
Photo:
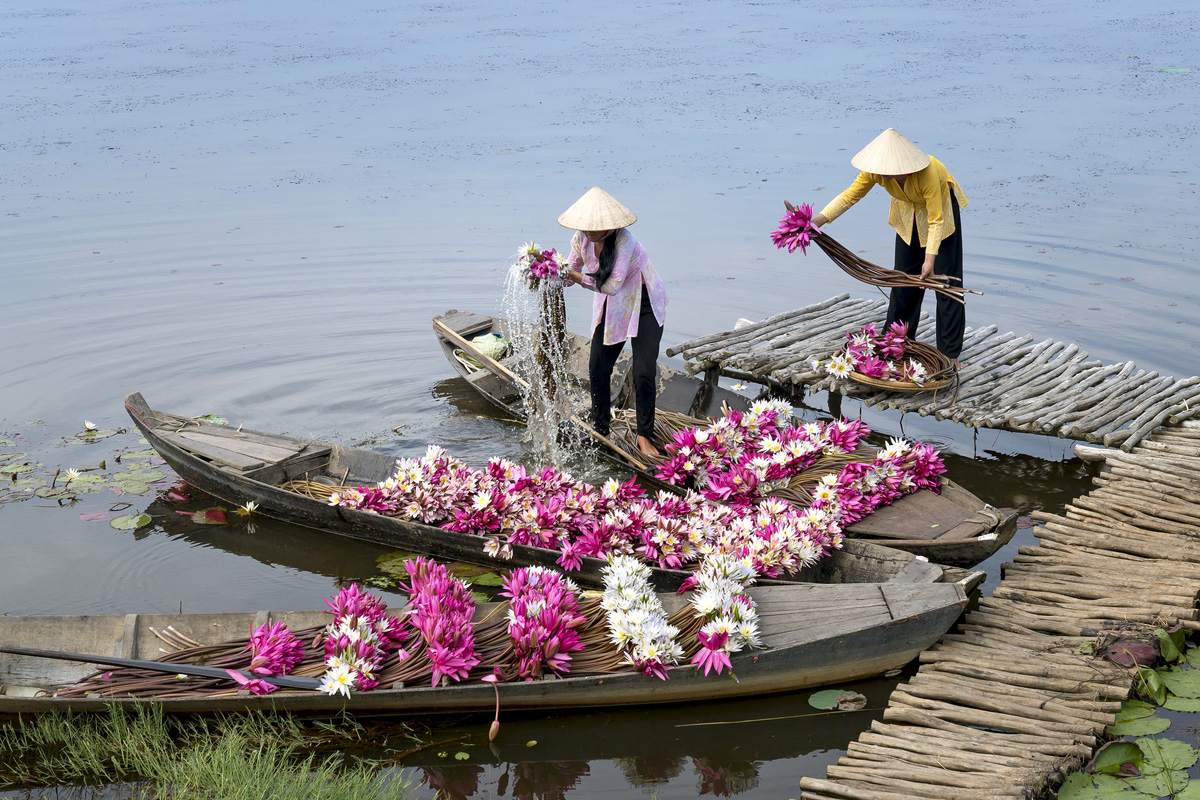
x=734 y=463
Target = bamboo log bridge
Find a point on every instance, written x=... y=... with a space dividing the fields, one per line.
x=1018 y=696
x=1007 y=381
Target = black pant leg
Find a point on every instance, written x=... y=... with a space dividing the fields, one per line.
x=645 y=370
x=905 y=302
x=951 y=314
x=602 y=359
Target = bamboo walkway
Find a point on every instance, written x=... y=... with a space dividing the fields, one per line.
x=1007 y=381
x=1015 y=699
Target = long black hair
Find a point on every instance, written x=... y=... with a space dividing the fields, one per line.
x=606 y=258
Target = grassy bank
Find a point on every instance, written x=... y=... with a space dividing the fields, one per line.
x=248 y=757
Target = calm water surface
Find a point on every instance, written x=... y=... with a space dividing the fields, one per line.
x=255 y=214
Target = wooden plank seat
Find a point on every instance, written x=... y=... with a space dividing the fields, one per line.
x=924 y=515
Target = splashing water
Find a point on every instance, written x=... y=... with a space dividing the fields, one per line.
x=537 y=332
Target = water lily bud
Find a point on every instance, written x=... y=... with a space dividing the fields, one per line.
x=494 y=730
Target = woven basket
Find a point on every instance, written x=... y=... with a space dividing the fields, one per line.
x=937 y=366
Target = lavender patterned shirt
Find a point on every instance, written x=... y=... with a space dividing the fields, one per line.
x=619 y=300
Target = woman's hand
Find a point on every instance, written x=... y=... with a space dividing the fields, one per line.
x=573 y=276
x=927 y=267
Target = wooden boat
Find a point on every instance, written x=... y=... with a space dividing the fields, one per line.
x=950 y=527
x=877 y=627
x=242 y=466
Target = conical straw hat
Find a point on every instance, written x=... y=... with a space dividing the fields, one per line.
x=597 y=211
x=890 y=153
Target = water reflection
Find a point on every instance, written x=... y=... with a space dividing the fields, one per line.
x=721 y=749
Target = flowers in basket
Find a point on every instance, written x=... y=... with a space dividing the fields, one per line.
x=883 y=356
x=795 y=229
x=539 y=264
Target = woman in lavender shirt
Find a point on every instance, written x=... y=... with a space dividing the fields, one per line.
x=630 y=303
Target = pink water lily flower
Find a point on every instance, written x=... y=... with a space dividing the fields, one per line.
x=255 y=685
x=795 y=229
x=712 y=653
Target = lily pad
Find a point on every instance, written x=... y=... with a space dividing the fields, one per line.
x=7 y=443
x=1117 y=758
x=16 y=469
x=1135 y=709
x=55 y=492
x=1081 y=786
x=1164 y=783
x=1182 y=703
x=130 y=522
x=487 y=579
x=1129 y=654
x=1139 y=727
x=151 y=453
x=461 y=756
x=28 y=482
x=837 y=699
x=88 y=437
x=1183 y=682
x=1166 y=754
x=12 y=456
x=97 y=516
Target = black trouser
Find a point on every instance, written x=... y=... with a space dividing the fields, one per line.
x=905 y=304
x=645 y=371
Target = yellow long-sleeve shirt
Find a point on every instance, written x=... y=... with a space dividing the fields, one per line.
x=925 y=196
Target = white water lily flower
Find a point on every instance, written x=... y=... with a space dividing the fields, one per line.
x=338 y=680
x=89 y=426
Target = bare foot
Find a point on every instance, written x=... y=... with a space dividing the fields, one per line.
x=646 y=447
x=957 y=366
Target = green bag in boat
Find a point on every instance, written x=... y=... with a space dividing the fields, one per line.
x=492 y=345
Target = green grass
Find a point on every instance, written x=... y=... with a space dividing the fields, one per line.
x=158 y=757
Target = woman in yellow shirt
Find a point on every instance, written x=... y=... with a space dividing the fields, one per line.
x=925 y=216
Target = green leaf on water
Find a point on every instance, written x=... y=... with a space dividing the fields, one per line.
x=151 y=453
x=130 y=522
x=1081 y=786
x=1182 y=703
x=1189 y=792
x=1164 y=783
x=12 y=456
x=87 y=437
x=7 y=443
x=1112 y=757
x=461 y=756
x=1135 y=709
x=836 y=699
x=480 y=597
x=28 y=482
x=1139 y=727
x=54 y=492
x=488 y=579
x=1183 y=682
x=1167 y=754
x=16 y=469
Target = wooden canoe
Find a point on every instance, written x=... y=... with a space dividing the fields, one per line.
x=241 y=466
x=952 y=526
x=876 y=627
